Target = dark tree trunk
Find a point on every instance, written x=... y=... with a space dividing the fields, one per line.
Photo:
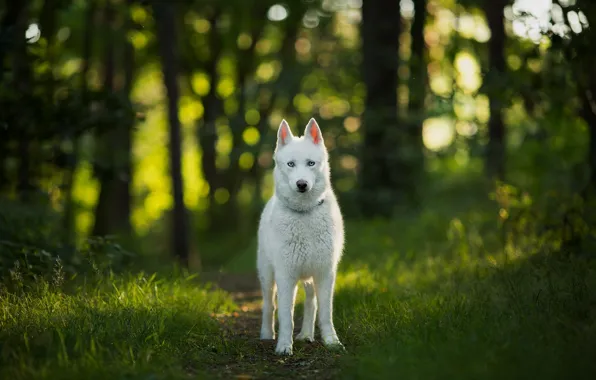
x=47 y=24
x=495 y=154
x=22 y=84
x=124 y=139
x=104 y=163
x=417 y=91
x=9 y=29
x=380 y=165
x=166 y=32
x=114 y=208
x=47 y=19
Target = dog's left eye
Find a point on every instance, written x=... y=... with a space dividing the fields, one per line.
x=310 y=163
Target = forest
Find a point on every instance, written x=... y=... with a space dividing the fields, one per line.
x=136 y=156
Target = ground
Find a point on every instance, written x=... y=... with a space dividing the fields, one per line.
x=310 y=360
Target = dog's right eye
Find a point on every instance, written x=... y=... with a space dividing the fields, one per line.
x=291 y=164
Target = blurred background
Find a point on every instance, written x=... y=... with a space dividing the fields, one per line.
x=148 y=126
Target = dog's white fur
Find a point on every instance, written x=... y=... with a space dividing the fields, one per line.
x=301 y=237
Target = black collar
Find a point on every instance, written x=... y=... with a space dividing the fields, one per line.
x=307 y=211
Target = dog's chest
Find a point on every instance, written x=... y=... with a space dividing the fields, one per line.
x=307 y=239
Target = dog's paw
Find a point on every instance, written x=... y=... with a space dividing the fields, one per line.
x=307 y=337
x=267 y=335
x=283 y=348
x=334 y=344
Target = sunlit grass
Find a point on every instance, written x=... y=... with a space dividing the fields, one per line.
x=442 y=295
x=136 y=325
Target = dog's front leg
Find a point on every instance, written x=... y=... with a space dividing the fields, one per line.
x=310 y=309
x=286 y=296
x=324 y=285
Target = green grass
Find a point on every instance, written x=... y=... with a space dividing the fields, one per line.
x=430 y=295
x=439 y=295
x=425 y=317
x=131 y=327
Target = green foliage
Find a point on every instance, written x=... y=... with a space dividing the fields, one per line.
x=33 y=248
x=553 y=222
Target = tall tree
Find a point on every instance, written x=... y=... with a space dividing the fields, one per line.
x=23 y=77
x=114 y=204
x=417 y=85
x=381 y=164
x=495 y=154
x=166 y=35
x=10 y=27
x=104 y=165
x=124 y=137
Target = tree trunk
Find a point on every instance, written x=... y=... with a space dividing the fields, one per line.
x=417 y=92
x=381 y=165
x=166 y=32
x=15 y=11
x=104 y=164
x=114 y=205
x=495 y=154
x=124 y=138
x=22 y=85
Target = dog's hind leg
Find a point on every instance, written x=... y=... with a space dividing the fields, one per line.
x=268 y=289
x=310 y=312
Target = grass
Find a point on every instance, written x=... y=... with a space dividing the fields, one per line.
x=440 y=319
x=135 y=327
x=440 y=295
x=432 y=295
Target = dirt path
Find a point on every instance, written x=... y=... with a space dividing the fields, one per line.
x=251 y=358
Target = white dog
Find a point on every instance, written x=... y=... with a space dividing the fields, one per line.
x=301 y=237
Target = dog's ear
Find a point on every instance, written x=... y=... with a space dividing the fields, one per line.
x=313 y=132
x=284 y=134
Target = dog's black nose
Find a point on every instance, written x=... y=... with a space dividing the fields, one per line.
x=301 y=185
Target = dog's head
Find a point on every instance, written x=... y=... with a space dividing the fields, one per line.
x=301 y=164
